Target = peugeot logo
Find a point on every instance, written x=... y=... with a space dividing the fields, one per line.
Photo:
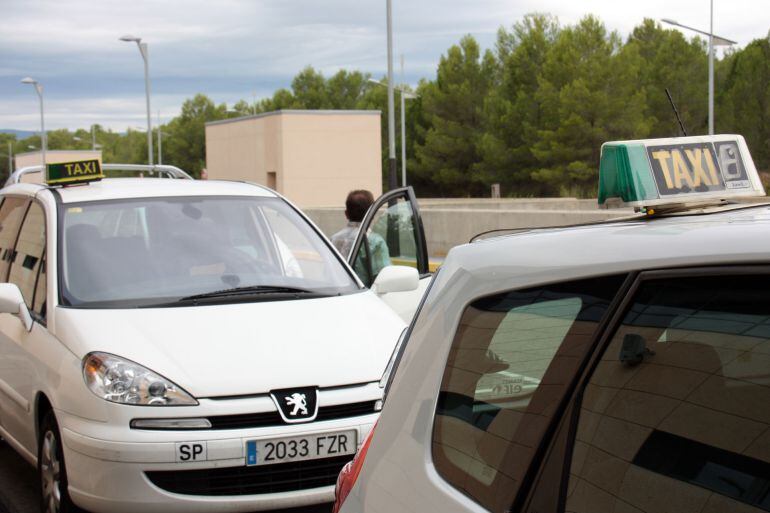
x=296 y=404
x=299 y=402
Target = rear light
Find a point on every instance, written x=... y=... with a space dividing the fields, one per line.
x=349 y=474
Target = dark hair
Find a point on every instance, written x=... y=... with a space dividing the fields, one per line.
x=357 y=203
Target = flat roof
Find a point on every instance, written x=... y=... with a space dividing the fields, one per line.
x=307 y=112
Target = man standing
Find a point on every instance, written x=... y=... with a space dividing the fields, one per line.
x=373 y=254
x=356 y=205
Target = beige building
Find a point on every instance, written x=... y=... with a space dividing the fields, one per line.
x=34 y=158
x=313 y=157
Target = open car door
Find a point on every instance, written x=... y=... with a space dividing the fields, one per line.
x=392 y=234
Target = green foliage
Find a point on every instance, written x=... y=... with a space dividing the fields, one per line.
x=454 y=109
x=530 y=114
x=184 y=143
x=745 y=99
x=670 y=61
x=588 y=93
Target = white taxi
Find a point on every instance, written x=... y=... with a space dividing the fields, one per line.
x=180 y=345
x=618 y=366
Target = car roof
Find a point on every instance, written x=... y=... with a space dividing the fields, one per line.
x=127 y=188
x=729 y=236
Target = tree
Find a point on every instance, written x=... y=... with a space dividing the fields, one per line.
x=668 y=60
x=453 y=106
x=512 y=112
x=4 y=169
x=185 y=143
x=743 y=105
x=309 y=90
x=588 y=94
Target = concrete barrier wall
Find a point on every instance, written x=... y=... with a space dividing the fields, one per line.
x=449 y=223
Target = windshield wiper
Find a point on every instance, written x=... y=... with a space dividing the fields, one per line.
x=251 y=290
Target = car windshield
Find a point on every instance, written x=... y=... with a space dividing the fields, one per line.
x=158 y=251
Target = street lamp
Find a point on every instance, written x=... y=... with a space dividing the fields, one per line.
x=405 y=95
x=713 y=41
x=145 y=56
x=39 y=91
x=160 y=141
x=392 y=180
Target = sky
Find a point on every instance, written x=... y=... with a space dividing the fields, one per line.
x=246 y=49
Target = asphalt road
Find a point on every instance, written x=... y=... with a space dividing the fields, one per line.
x=18 y=480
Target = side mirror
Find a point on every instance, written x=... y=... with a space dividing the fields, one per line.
x=12 y=302
x=396 y=278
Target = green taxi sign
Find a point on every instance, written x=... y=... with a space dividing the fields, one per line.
x=681 y=170
x=64 y=173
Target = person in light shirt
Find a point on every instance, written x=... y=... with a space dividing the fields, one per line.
x=356 y=205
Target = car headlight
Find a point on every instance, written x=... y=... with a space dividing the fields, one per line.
x=118 y=380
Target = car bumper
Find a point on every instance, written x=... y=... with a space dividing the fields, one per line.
x=111 y=475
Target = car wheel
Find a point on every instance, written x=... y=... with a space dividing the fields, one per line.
x=52 y=473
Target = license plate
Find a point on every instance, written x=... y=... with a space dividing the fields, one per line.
x=298 y=448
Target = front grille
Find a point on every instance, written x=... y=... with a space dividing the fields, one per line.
x=282 y=477
x=273 y=418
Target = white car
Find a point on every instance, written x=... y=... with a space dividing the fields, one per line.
x=179 y=345
x=615 y=367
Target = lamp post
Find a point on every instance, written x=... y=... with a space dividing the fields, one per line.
x=713 y=41
x=43 y=137
x=160 y=141
x=405 y=95
x=392 y=180
x=146 y=57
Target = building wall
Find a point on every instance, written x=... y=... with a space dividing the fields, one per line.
x=317 y=157
x=34 y=158
x=327 y=156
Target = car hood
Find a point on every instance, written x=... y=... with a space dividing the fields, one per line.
x=245 y=348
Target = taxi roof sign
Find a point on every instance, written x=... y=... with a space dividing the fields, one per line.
x=68 y=173
x=675 y=171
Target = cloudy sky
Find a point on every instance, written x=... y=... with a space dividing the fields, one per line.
x=234 y=49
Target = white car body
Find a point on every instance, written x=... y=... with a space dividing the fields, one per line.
x=227 y=356
x=400 y=473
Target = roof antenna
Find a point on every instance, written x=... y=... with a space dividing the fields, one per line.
x=676 y=112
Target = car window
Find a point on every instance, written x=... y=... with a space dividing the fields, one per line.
x=11 y=213
x=29 y=259
x=298 y=253
x=153 y=251
x=676 y=415
x=510 y=364
x=390 y=240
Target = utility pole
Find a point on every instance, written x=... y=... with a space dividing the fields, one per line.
x=146 y=57
x=711 y=71
x=392 y=172
x=43 y=137
x=713 y=41
x=160 y=141
x=403 y=126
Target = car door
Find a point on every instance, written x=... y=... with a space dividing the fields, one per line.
x=673 y=412
x=392 y=233
x=21 y=350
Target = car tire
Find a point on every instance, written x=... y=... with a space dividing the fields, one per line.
x=51 y=470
